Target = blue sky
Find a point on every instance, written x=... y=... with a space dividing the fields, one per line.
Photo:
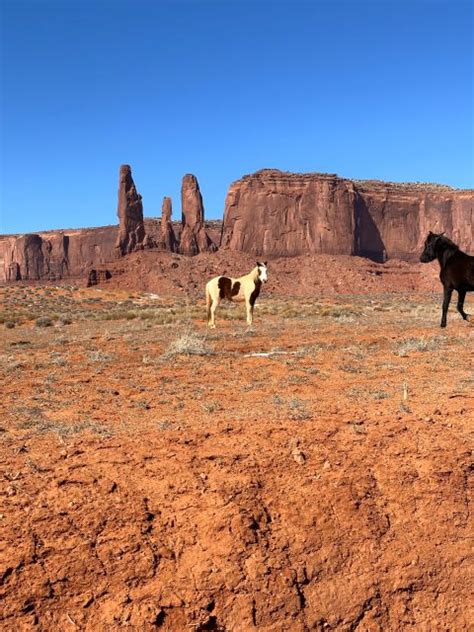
x=379 y=89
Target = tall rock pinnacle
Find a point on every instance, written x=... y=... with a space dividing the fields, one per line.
x=130 y=213
x=167 y=236
x=194 y=238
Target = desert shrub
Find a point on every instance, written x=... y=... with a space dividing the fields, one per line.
x=9 y=324
x=119 y=315
x=379 y=395
x=44 y=321
x=297 y=409
x=404 y=347
x=99 y=356
x=188 y=342
x=232 y=314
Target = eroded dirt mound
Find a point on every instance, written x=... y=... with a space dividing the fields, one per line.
x=311 y=474
x=319 y=275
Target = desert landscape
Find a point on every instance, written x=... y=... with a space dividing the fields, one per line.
x=305 y=462
x=313 y=472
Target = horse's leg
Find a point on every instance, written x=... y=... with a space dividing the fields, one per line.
x=461 y=297
x=215 y=303
x=249 y=308
x=208 y=306
x=447 y=299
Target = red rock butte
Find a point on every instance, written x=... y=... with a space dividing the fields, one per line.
x=274 y=213
x=269 y=213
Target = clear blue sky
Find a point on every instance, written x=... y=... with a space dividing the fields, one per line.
x=379 y=89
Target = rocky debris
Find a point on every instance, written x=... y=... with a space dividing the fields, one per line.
x=130 y=213
x=98 y=276
x=194 y=237
x=298 y=454
x=275 y=213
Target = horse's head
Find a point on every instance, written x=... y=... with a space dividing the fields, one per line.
x=429 y=251
x=435 y=244
x=262 y=272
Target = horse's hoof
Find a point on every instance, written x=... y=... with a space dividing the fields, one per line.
x=443 y=325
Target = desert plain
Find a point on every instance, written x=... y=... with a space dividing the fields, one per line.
x=313 y=472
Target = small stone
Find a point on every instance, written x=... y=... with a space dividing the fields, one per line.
x=298 y=455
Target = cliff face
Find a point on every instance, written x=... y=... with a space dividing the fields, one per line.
x=273 y=213
x=55 y=255
x=278 y=214
x=394 y=219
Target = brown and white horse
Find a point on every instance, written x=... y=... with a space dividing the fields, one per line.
x=245 y=288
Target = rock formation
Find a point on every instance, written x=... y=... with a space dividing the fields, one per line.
x=55 y=255
x=271 y=213
x=395 y=218
x=95 y=276
x=130 y=213
x=268 y=213
x=194 y=238
x=167 y=236
x=274 y=213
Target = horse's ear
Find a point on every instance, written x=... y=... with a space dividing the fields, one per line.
x=258 y=264
x=265 y=263
x=441 y=234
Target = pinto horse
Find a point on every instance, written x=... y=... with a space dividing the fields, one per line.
x=245 y=288
x=457 y=270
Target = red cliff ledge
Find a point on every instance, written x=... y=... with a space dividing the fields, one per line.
x=275 y=213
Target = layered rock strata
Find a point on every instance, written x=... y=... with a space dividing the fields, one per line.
x=55 y=255
x=274 y=213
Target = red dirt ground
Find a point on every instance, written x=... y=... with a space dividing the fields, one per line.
x=314 y=473
x=175 y=275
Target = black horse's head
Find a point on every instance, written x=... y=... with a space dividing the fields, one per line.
x=436 y=244
x=429 y=251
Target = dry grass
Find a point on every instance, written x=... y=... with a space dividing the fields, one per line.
x=409 y=345
x=188 y=342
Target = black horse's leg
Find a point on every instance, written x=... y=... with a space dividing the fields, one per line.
x=447 y=299
x=461 y=297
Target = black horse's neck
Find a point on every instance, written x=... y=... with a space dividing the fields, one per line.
x=445 y=249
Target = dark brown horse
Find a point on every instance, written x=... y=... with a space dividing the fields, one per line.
x=457 y=270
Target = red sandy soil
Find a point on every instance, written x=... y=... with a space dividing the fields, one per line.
x=174 y=275
x=314 y=473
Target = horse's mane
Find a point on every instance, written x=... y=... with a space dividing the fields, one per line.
x=442 y=239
